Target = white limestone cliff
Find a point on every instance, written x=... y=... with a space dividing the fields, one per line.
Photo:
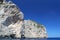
x=12 y=22
x=34 y=30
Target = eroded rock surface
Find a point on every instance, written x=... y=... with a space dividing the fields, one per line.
x=12 y=23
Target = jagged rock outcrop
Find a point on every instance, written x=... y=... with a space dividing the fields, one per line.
x=12 y=23
x=10 y=19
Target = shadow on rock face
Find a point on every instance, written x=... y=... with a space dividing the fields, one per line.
x=1 y=1
x=15 y=18
x=12 y=36
x=8 y=36
x=11 y=19
x=7 y=22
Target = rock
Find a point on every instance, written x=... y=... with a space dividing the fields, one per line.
x=13 y=25
x=10 y=19
x=1 y=1
x=34 y=30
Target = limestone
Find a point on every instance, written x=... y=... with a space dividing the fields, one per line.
x=33 y=31
x=12 y=23
x=10 y=19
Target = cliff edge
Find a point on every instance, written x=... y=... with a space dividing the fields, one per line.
x=13 y=25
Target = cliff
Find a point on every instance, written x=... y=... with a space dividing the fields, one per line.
x=12 y=23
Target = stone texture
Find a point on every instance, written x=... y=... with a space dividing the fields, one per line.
x=12 y=23
x=34 y=30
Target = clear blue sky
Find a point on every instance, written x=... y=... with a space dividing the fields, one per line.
x=46 y=12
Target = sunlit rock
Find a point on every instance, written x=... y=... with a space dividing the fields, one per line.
x=13 y=25
x=34 y=30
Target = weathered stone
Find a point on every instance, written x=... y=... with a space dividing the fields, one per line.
x=33 y=31
x=12 y=23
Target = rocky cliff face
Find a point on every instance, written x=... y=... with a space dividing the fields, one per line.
x=34 y=30
x=12 y=23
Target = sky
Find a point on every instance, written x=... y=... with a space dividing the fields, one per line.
x=46 y=12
